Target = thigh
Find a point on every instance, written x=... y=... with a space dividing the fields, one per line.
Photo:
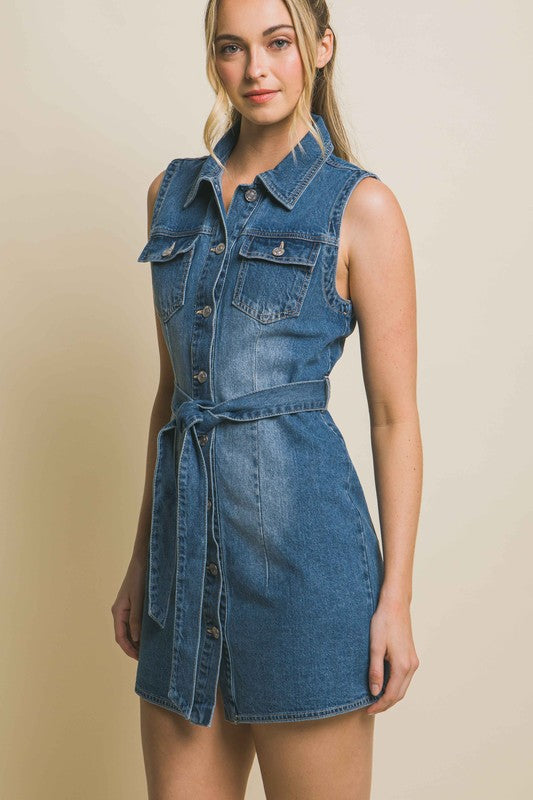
x=193 y=762
x=317 y=759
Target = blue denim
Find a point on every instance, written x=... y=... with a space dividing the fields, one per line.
x=264 y=567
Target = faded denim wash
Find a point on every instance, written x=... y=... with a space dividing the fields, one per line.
x=264 y=566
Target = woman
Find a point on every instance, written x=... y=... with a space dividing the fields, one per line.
x=257 y=602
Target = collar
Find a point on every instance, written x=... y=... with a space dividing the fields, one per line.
x=287 y=180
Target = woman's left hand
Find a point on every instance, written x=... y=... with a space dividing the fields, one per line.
x=391 y=639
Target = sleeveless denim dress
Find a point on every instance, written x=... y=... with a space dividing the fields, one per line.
x=264 y=567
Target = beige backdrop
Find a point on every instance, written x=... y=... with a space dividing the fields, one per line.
x=98 y=98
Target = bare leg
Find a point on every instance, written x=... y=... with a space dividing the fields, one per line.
x=317 y=759
x=190 y=762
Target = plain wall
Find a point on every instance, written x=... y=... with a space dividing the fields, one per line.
x=98 y=98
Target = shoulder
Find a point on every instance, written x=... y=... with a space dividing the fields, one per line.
x=154 y=187
x=377 y=249
x=371 y=199
x=373 y=215
x=358 y=188
x=169 y=171
x=368 y=208
x=365 y=188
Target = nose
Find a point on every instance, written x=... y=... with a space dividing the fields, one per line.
x=254 y=67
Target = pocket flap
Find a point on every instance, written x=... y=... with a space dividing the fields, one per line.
x=281 y=250
x=163 y=247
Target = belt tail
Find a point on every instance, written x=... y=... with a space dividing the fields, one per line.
x=163 y=548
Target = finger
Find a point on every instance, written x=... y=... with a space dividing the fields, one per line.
x=376 y=668
x=120 y=618
x=391 y=693
x=134 y=643
x=135 y=625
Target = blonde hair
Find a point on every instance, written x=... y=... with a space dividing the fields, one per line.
x=310 y=19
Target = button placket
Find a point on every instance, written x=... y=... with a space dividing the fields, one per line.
x=208 y=292
x=201 y=377
x=202 y=380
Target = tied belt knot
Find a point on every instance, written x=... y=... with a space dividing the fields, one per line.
x=180 y=514
x=191 y=412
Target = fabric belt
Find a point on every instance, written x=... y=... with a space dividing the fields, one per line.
x=180 y=484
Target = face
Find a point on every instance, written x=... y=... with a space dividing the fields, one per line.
x=256 y=49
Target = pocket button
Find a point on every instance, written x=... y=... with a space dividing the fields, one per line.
x=169 y=250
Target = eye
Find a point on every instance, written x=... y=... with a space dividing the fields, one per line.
x=225 y=49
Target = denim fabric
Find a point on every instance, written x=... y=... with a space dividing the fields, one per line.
x=264 y=565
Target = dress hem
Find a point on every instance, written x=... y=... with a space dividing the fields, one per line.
x=286 y=716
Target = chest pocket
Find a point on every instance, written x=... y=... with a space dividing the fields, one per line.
x=170 y=258
x=273 y=276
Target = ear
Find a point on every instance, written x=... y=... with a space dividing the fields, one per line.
x=325 y=48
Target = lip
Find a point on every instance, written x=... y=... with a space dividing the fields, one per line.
x=260 y=95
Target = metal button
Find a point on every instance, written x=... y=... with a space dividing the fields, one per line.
x=201 y=376
x=250 y=194
x=169 y=250
x=279 y=250
x=219 y=248
x=214 y=631
x=206 y=310
x=213 y=569
x=203 y=438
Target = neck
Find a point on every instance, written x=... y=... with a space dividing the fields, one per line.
x=260 y=148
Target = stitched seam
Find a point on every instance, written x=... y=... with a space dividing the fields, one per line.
x=258 y=458
x=365 y=556
x=324 y=418
x=323 y=238
x=230 y=670
x=162 y=230
x=365 y=699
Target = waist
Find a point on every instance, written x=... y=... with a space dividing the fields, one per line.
x=283 y=398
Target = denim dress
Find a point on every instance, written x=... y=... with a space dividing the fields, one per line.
x=264 y=567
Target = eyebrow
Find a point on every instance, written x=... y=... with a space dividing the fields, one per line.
x=233 y=36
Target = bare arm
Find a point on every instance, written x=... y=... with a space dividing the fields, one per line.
x=159 y=416
x=127 y=609
x=382 y=288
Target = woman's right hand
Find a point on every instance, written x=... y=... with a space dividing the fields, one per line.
x=128 y=607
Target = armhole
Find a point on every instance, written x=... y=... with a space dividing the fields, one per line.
x=163 y=188
x=342 y=200
x=336 y=300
